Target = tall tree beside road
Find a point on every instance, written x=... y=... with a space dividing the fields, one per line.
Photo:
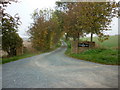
x=45 y=31
x=39 y=30
x=97 y=18
x=57 y=26
x=88 y=18
x=10 y=39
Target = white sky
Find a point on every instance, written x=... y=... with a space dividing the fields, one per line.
x=26 y=7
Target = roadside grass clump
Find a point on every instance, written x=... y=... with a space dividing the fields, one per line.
x=58 y=45
x=68 y=43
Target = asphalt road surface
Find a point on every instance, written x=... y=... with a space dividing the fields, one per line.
x=56 y=70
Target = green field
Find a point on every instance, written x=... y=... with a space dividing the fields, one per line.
x=112 y=42
x=105 y=53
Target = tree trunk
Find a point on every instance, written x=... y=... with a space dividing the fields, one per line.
x=8 y=53
x=74 y=38
x=91 y=37
x=78 y=36
x=66 y=36
x=12 y=51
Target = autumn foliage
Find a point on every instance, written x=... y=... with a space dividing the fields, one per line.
x=45 y=31
x=74 y=20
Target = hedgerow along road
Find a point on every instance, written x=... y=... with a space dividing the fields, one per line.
x=56 y=70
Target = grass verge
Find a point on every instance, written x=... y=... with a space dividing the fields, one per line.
x=15 y=58
x=10 y=59
x=98 y=55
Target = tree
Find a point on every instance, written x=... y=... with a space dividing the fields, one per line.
x=46 y=30
x=40 y=30
x=10 y=39
x=97 y=17
x=57 y=23
x=88 y=18
x=70 y=18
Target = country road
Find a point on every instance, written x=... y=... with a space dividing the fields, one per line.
x=56 y=70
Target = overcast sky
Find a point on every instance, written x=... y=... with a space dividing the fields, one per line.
x=26 y=7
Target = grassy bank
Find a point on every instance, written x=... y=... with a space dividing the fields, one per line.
x=103 y=56
x=106 y=54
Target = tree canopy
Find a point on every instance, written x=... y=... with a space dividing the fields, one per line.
x=10 y=38
x=46 y=31
x=75 y=20
x=84 y=18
